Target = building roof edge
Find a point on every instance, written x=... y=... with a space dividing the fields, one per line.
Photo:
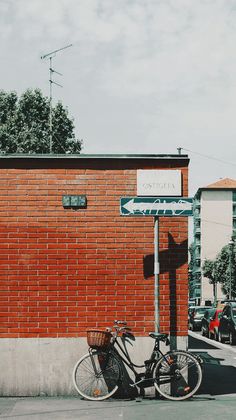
x=93 y=156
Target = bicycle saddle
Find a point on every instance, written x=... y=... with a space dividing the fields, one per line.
x=158 y=336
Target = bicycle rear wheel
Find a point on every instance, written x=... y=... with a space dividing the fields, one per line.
x=96 y=375
x=178 y=375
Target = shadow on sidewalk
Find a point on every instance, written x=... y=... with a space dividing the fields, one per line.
x=218 y=379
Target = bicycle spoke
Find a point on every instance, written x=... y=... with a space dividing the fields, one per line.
x=96 y=375
x=178 y=375
x=88 y=367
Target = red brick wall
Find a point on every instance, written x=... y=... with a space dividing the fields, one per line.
x=64 y=270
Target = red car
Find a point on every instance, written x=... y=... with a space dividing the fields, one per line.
x=214 y=324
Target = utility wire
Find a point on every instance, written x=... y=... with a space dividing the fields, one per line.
x=215 y=222
x=208 y=156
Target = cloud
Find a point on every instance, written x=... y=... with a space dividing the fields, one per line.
x=145 y=46
x=153 y=69
x=176 y=51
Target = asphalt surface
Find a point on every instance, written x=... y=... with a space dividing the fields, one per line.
x=216 y=398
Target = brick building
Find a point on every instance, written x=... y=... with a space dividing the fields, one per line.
x=65 y=267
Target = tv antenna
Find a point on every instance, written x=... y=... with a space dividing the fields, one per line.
x=50 y=56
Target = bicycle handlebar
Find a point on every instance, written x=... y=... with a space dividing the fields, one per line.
x=120 y=322
x=119 y=329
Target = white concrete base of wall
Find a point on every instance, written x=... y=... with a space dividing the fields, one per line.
x=44 y=366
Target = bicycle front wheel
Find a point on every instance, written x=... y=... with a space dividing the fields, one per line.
x=96 y=375
x=178 y=375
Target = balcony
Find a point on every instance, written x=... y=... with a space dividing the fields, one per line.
x=197 y=203
x=196 y=271
x=197 y=239
x=197 y=229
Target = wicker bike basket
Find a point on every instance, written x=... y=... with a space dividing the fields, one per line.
x=98 y=338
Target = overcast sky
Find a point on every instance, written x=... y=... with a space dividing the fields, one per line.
x=142 y=76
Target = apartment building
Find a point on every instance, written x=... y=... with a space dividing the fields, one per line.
x=214 y=218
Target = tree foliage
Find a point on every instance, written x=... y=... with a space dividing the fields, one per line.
x=208 y=270
x=222 y=270
x=225 y=269
x=25 y=128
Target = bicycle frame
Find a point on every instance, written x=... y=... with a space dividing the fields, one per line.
x=140 y=378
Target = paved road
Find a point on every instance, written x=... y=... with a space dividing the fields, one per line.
x=216 y=398
x=201 y=408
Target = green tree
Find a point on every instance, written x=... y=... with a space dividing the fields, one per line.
x=24 y=125
x=225 y=270
x=208 y=271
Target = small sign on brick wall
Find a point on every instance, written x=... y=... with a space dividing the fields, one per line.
x=78 y=201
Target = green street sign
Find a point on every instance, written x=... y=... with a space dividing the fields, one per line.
x=156 y=206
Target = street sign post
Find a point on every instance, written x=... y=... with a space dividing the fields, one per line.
x=156 y=207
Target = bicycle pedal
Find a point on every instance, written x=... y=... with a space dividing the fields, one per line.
x=184 y=390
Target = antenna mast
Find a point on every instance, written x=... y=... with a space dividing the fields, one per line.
x=51 y=82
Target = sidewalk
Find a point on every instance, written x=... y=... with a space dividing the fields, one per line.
x=215 y=400
x=219 y=368
x=200 y=407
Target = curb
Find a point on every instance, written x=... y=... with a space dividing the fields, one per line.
x=217 y=344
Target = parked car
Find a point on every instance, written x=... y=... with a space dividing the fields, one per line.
x=208 y=314
x=214 y=324
x=196 y=314
x=227 y=325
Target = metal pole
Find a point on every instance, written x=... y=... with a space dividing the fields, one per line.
x=231 y=244
x=50 y=108
x=50 y=55
x=156 y=273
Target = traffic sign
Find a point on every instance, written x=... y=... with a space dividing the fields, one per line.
x=156 y=206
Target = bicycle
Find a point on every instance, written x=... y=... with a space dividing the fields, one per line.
x=176 y=375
